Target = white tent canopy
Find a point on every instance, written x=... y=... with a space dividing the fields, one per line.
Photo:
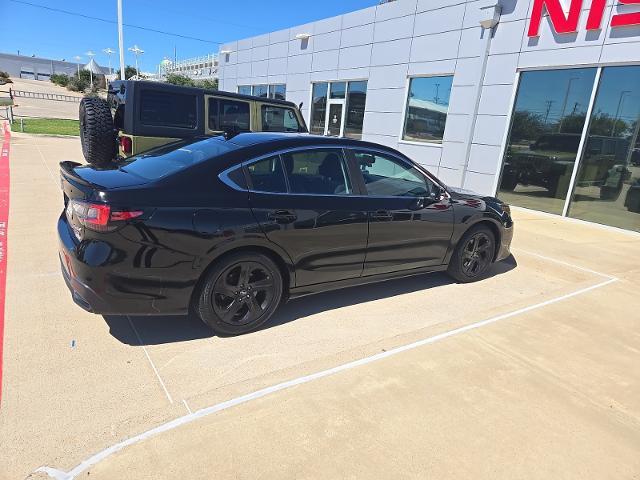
x=93 y=67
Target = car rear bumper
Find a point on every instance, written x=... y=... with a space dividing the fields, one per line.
x=101 y=289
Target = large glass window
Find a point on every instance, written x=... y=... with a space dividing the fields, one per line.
x=244 y=89
x=427 y=108
x=548 y=120
x=260 y=91
x=356 y=99
x=319 y=108
x=388 y=177
x=607 y=188
x=279 y=92
x=344 y=102
x=322 y=172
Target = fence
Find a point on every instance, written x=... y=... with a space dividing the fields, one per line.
x=45 y=96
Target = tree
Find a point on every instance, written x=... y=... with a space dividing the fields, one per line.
x=129 y=71
x=182 y=80
x=208 y=84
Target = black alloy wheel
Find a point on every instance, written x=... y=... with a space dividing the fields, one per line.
x=477 y=254
x=241 y=293
x=473 y=256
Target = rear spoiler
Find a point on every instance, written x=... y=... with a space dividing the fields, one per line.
x=67 y=171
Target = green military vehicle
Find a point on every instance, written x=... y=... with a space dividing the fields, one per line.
x=140 y=115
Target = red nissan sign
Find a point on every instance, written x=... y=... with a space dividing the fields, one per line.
x=568 y=23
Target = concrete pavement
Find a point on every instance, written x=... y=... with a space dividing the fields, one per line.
x=550 y=392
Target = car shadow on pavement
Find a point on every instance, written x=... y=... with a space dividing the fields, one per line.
x=157 y=330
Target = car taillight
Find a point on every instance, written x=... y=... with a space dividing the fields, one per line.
x=99 y=216
x=126 y=145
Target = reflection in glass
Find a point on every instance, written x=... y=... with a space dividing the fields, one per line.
x=607 y=186
x=545 y=134
x=427 y=109
x=356 y=99
x=244 y=89
x=338 y=90
x=319 y=108
x=260 y=91
x=279 y=92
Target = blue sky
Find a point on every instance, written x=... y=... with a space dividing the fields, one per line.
x=51 y=34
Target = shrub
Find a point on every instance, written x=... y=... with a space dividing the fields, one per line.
x=78 y=84
x=3 y=74
x=129 y=71
x=61 y=79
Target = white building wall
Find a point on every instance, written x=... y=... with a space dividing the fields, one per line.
x=389 y=43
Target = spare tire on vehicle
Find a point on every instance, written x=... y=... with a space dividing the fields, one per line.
x=97 y=133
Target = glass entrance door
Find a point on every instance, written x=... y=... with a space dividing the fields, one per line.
x=335 y=119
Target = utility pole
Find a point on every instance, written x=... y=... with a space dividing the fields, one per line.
x=121 y=40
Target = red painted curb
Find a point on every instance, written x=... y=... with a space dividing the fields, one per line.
x=4 y=222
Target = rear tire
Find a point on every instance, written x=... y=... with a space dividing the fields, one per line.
x=97 y=134
x=473 y=256
x=240 y=294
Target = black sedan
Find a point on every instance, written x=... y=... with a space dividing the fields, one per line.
x=229 y=227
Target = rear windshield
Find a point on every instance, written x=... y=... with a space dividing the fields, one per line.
x=172 y=158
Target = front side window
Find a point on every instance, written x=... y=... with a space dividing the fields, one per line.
x=227 y=115
x=427 y=108
x=548 y=119
x=163 y=109
x=279 y=119
x=267 y=176
x=321 y=172
x=385 y=176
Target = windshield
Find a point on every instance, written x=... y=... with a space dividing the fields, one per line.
x=168 y=159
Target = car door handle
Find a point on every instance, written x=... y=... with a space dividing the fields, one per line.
x=282 y=216
x=382 y=215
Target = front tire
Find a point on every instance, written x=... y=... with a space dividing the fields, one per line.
x=473 y=255
x=240 y=294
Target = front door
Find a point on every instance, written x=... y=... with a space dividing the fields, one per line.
x=335 y=119
x=303 y=201
x=410 y=222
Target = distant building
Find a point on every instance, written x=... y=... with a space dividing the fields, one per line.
x=197 y=68
x=35 y=68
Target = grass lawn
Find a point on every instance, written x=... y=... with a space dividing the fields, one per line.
x=46 y=126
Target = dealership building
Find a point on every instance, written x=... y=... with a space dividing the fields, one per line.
x=535 y=101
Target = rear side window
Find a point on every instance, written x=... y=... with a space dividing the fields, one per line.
x=279 y=119
x=267 y=175
x=169 y=159
x=321 y=172
x=162 y=109
x=229 y=115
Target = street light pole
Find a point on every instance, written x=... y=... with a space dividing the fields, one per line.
x=136 y=51
x=77 y=58
x=109 y=52
x=623 y=96
x=121 y=40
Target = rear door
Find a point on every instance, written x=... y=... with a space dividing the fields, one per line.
x=411 y=223
x=304 y=201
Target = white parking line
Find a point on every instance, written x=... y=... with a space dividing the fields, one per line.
x=151 y=361
x=191 y=417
